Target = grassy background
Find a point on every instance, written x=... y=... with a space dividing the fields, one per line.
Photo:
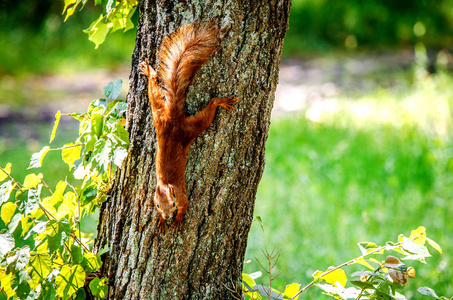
x=363 y=168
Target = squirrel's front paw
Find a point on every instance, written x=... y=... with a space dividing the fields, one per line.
x=161 y=224
x=227 y=103
x=145 y=69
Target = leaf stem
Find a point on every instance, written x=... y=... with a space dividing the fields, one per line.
x=10 y=177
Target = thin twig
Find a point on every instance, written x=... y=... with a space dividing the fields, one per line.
x=67 y=147
x=10 y=177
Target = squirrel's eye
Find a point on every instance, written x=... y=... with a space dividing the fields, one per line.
x=174 y=204
x=157 y=205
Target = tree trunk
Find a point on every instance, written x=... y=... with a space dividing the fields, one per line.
x=204 y=259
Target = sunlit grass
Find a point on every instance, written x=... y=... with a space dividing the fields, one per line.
x=365 y=168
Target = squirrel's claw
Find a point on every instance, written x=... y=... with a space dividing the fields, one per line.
x=227 y=103
x=145 y=69
x=161 y=224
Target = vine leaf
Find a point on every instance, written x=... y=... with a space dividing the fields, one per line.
x=4 y=175
x=31 y=181
x=69 y=280
x=427 y=291
x=98 y=287
x=5 y=191
x=98 y=30
x=7 y=212
x=6 y=242
x=71 y=153
x=113 y=89
x=291 y=290
x=38 y=157
x=55 y=125
x=337 y=276
x=40 y=266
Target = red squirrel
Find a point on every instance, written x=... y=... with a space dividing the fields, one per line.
x=181 y=55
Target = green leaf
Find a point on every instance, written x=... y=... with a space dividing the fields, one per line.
x=364 y=284
x=19 y=260
x=14 y=222
x=4 y=175
x=334 y=277
x=248 y=279
x=7 y=212
x=419 y=252
x=68 y=3
x=38 y=157
x=71 y=153
x=427 y=291
x=121 y=18
x=40 y=266
x=31 y=181
x=59 y=235
x=8 y=281
x=103 y=250
x=28 y=200
x=434 y=245
x=113 y=89
x=76 y=254
x=102 y=151
x=48 y=291
x=6 y=242
x=258 y=218
x=80 y=295
x=91 y=262
x=111 y=4
x=98 y=30
x=349 y=293
x=97 y=124
x=99 y=287
x=40 y=227
x=291 y=290
x=97 y=103
x=69 y=280
x=5 y=191
x=23 y=290
x=367 y=247
x=363 y=262
x=118 y=134
x=119 y=154
x=58 y=114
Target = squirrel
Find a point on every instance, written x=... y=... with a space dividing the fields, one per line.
x=181 y=55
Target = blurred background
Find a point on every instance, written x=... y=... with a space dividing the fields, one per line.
x=360 y=147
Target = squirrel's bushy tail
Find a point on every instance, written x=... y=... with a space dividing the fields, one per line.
x=182 y=54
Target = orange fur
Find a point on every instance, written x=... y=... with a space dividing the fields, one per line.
x=181 y=55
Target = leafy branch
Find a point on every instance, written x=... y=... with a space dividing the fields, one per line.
x=56 y=261
x=380 y=281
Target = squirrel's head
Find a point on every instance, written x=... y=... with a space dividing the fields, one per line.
x=165 y=200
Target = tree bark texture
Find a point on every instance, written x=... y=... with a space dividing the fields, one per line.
x=204 y=259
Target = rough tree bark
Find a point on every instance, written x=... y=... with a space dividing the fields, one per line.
x=204 y=259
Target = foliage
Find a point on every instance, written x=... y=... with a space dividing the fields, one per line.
x=117 y=15
x=380 y=281
x=368 y=24
x=43 y=251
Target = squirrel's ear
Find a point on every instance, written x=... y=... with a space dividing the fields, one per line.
x=171 y=190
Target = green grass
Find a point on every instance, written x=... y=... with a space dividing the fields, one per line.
x=359 y=169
